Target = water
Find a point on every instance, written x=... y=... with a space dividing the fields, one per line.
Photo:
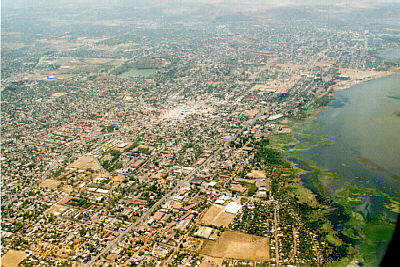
x=365 y=121
x=133 y=73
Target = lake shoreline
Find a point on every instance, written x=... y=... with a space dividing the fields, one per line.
x=350 y=83
x=355 y=220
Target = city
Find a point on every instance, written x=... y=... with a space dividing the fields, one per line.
x=157 y=143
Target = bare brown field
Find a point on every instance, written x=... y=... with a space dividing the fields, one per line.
x=49 y=183
x=216 y=215
x=284 y=121
x=358 y=76
x=55 y=95
x=257 y=174
x=13 y=46
x=118 y=178
x=12 y=258
x=67 y=188
x=237 y=246
x=355 y=74
x=264 y=88
x=85 y=163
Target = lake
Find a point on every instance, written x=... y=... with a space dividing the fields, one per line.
x=364 y=123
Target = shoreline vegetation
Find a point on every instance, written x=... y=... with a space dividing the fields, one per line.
x=352 y=226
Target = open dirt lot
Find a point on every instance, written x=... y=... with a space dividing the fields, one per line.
x=355 y=74
x=264 y=88
x=67 y=188
x=237 y=246
x=55 y=95
x=49 y=183
x=12 y=258
x=85 y=163
x=257 y=174
x=216 y=215
x=358 y=76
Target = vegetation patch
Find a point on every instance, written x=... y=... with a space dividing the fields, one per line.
x=79 y=202
x=139 y=64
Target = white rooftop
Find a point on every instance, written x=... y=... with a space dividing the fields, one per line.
x=275 y=117
x=212 y=183
x=233 y=208
x=219 y=201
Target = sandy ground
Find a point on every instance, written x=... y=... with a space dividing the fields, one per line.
x=49 y=183
x=237 y=246
x=56 y=210
x=263 y=87
x=67 y=188
x=84 y=163
x=279 y=86
x=355 y=74
x=55 y=95
x=359 y=76
x=13 y=45
x=118 y=178
x=257 y=174
x=12 y=258
x=216 y=215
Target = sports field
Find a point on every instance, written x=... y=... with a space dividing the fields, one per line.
x=217 y=216
x=237 y=246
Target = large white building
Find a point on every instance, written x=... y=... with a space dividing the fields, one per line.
x=233 y=208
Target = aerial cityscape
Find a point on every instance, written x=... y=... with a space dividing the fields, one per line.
x=199 y=133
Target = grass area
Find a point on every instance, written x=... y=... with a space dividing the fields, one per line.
x=280 y=139
x=333 y=239
x=139 y=64
x=379 y=232
x=368 y=250
x=394 y=205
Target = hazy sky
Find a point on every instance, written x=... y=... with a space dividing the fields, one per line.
x=265 y=3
